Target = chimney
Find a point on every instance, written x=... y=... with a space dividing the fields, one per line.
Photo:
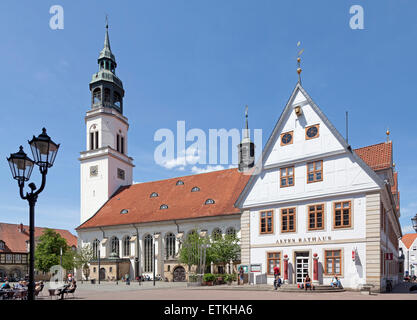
x=21 y=227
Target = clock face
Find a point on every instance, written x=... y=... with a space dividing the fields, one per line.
x=312 y=132
x=286 y=138
x=93 y=171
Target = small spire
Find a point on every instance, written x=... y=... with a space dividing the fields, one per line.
x=387 y=133
x=106 y=38
x=299 y=70
x=246 y=136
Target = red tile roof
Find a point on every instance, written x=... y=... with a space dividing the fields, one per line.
x=377 y=156
x=408 y=239
x=222 y=186
x=15 y=241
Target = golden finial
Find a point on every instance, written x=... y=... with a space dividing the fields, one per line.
x=299 y=70
x=387 y=133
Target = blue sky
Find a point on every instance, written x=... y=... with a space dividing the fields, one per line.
x=201 y=61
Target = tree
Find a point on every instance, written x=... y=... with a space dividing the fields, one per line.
x=224 y=249
x=47 y=252
x=191 y=252
x=82 y=258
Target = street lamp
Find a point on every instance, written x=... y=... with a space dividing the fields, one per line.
x=414 y=221
x=44 y=152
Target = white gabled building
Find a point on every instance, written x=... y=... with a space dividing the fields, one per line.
x=317 y=199
x=408 y=246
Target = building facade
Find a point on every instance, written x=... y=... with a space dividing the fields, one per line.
x=137 y=229
x=408 y=247
x=318 y=207
x=14 y=249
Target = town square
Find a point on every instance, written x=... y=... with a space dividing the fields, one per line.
x=210 y=151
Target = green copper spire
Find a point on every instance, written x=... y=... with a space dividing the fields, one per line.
x=106 y=52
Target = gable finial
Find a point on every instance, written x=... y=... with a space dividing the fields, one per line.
x=299 y=70
x=107 y=21
x=387 y=133
x=246 y=125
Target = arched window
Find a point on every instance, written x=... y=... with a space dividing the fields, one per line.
x=163 y=206
x=180 y=183
x=107 y=95
x=148 y=248
x=117 y=100
x=97 y=96
x=230 y=231
x=96 y=247
x=126 y=246
x=170 y=245
x=209 y=201
x=216 y=234
x=191 y=232
x=115 y=246
x=195 y=189
x=124 y=211
x=154 y=194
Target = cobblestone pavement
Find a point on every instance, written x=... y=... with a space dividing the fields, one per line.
x=179 y=291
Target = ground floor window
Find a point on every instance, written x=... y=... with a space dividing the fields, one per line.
x=273 y=258
x=333 y=262
x=148 y=253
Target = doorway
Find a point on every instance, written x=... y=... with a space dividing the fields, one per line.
x=102 y=274
x=179 y=274
x=301 y=266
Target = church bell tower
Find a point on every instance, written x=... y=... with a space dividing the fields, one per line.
x=105 y=165
x=246 y=149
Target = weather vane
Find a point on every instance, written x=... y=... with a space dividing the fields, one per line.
x=299 y=61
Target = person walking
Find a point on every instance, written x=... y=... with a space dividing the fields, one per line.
x=241 y=275
x=277 y=279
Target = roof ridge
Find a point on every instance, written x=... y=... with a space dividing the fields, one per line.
x=190 y=175
x=373 y=145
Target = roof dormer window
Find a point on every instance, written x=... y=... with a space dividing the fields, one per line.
x=209 y=201
x=195 y=189
x=1 y=245
x=124 y=211
x=163 y=206
x=180 y=183
x=154 y=195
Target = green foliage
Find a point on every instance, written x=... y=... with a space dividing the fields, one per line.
x=208 y=277
x=224 y=249
x=190 y=251
x=81 y=259
x=230 y=277
x=47 y=253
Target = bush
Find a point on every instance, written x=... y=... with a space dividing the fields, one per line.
x=193 y=278
x=230 y=277
x=208 y=277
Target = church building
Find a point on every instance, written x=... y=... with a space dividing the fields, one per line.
x=136 y=228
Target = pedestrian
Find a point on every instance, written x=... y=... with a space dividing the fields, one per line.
x=241 y=275
x=127 y=279
x=277 y=279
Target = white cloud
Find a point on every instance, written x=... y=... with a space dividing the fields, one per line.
x=407 y=229
x=189 y=156
x=409 y=210
x=209 y=168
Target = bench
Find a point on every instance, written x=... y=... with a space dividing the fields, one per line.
x=366 y=288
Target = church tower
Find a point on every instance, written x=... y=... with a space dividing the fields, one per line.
x=105 y=165
x=246 y=149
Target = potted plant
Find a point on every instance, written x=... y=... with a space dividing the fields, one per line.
x=229 y=278
x=208 y=279
x=219 y=278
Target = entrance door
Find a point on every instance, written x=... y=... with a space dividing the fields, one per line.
x=102 y=274
x=179 y=274
x=301 y=266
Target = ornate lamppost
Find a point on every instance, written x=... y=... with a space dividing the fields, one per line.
x=44 y=151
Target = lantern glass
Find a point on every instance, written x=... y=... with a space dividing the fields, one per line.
x=21 y=165
x=44 y=150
